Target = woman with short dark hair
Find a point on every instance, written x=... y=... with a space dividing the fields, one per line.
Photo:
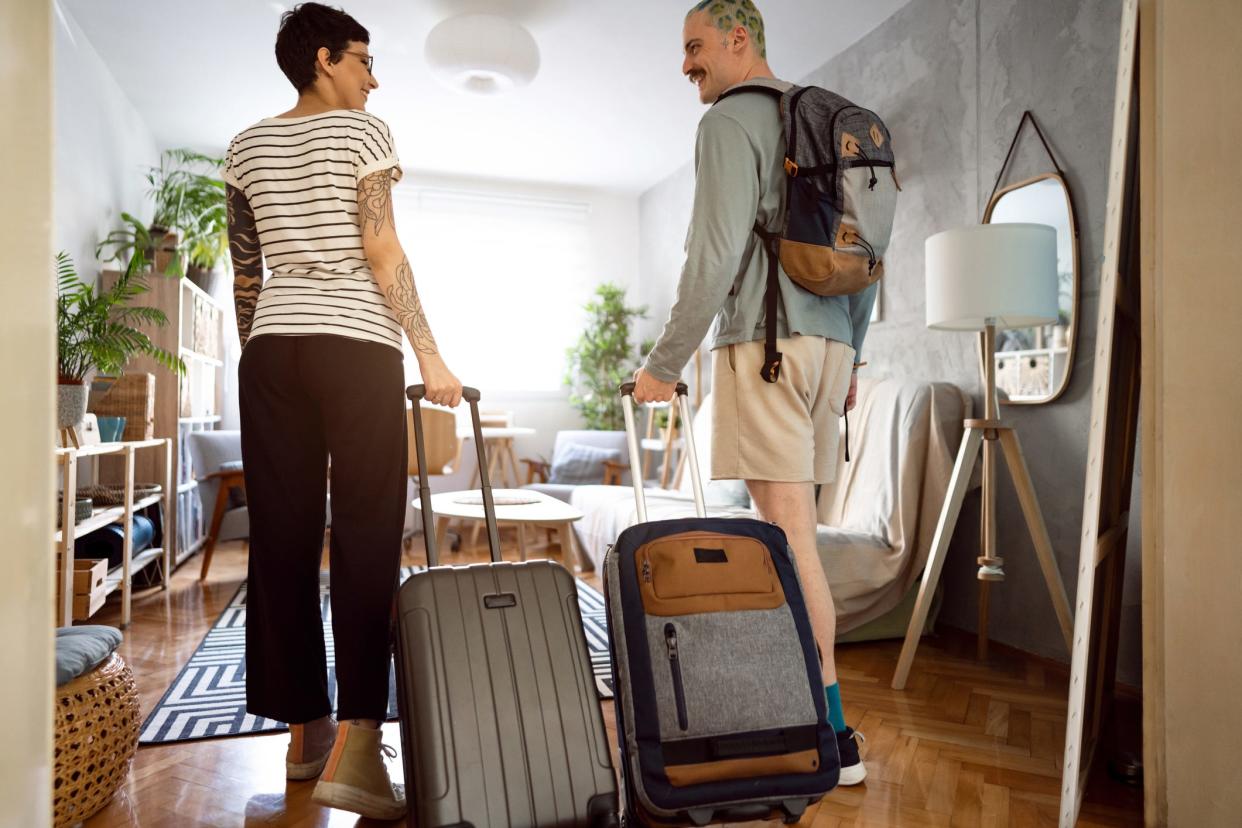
x=309 y=194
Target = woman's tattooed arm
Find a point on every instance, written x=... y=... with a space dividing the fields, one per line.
x=404 y=299
x=247 y=260
x=375 y=218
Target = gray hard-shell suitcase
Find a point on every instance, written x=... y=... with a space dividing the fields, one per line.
x=500 y=722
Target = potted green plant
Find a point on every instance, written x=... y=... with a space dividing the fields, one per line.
x=135 y=246
x=96 y=330
x=191 y=201
x=603 y=358
x=188 y=235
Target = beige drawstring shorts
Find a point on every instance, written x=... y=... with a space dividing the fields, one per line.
x=786 y=431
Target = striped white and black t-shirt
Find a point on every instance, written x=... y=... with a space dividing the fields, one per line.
x=301 y=177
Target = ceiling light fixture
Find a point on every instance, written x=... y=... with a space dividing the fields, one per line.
x=482 y=53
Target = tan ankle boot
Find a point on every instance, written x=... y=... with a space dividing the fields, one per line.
x=356 y=778
x=300 y=761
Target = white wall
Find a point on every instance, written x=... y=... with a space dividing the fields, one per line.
x=26 y=415
x=664 y=215
x=612 y=227
x=102 y=150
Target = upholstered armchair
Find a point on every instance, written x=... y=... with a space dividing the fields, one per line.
x=579 y=458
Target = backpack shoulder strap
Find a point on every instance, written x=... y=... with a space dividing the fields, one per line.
x=771 y=369
x=752 y=87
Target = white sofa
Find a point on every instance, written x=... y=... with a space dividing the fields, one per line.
x=875 y=522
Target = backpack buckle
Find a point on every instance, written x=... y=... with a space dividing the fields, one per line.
x=791 y=169
x=771 y=370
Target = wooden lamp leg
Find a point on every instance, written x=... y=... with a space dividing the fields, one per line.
x=958 y=483
x=990 y=565
x=1039 y=532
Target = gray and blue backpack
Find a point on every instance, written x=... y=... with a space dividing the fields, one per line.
x=840 y=197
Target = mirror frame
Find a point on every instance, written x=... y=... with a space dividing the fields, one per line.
x=1072 y=333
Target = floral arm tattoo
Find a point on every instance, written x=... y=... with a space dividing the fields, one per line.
x=374 y=211
x=375 y=201
x=247 y=260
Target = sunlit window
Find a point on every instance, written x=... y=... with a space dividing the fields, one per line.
x=502 y=279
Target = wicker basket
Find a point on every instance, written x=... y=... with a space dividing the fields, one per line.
x=96 y=734
x=115 y=495
x=131 y=396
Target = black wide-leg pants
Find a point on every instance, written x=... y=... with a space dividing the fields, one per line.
x=305 y=399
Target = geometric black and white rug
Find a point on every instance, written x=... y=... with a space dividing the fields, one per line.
x=207 y=700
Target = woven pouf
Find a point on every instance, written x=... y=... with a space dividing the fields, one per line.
x=96 y=735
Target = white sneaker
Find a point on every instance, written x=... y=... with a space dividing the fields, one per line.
x=853 y=771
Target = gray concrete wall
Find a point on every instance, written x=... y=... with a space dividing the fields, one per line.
x=951 y=79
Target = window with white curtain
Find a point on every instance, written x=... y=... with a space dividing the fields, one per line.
x=503 y=280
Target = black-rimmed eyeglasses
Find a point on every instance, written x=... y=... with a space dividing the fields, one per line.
x=369 y=60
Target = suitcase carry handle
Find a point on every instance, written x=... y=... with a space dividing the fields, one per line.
x=416 y=393
x=636 y=463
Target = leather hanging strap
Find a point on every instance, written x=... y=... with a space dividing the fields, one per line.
x=1026 y=116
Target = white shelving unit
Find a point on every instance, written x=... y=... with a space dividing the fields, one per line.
x=120 y=576
x=186 y=404
x=1030 y=374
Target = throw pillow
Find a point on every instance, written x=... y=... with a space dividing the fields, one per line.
x=81 y=649
x=576 y=464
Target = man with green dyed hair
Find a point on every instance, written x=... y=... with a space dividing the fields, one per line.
x=782 y=438
x=728 y=14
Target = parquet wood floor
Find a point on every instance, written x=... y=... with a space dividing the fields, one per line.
x=966 y=744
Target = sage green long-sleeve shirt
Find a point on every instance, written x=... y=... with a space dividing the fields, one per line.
x=739 y=175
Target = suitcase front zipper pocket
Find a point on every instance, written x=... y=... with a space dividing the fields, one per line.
x=674 y=663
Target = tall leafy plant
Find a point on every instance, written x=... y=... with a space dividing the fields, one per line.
x=603 y=358
x=190 y=198
x=190 y=203
x=97 y=329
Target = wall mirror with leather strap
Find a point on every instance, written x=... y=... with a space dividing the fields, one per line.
x=1033 y=364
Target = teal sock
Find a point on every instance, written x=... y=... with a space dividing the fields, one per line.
x=836 y=713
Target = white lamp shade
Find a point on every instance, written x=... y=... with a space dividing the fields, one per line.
x=482 y=53
x=1006 y=273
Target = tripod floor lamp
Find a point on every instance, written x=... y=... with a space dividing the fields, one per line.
x=982 y=278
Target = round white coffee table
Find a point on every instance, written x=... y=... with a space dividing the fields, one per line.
x=534 y=509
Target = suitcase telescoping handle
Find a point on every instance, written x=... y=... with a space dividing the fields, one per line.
x=636 y=463
x=470 y=395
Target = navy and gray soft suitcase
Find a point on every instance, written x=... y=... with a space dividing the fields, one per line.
x=500 y=721
x=721 y=715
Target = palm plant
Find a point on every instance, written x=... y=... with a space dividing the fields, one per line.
x=603 y=358
x=96 y=329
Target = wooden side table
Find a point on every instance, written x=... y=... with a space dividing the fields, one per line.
x=502 y=464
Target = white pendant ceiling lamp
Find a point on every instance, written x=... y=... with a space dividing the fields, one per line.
x=482 y=53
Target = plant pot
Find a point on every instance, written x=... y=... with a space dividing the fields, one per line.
x=207 y=279
x=165 y=242
x=70 y=404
